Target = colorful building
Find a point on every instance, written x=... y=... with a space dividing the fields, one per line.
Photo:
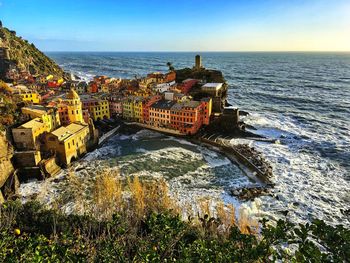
x=158 y=77
x=163 y=87
x=54 y=83
x=104 y=88
x=68 y=143
x=31 y=96
x=186 y=117
x=187 y=85
x=213 y=89
x=146 y=107
x=74 y=107
x=115 y=105
x=93 y=87
x=132 y=108
x=48 y=115
x=98 y=108
x=159 y=113
x=170 y=76
x=207 y=109
x=69 y=108
x=27 y=136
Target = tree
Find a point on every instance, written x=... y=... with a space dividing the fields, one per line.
x=170 y=66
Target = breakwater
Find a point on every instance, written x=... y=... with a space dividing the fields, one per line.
x=247 y=157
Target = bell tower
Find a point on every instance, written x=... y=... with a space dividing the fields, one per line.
x=74 y=106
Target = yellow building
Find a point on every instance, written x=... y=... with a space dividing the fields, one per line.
x=100 y=110
x=31 y=96
x=97 y=107
x=133 y=108
x=48 y=115
x=26 y=136
x=68 y=143
x=104 y=88
x=74 y=107
x=128 y=109
x=138 y=109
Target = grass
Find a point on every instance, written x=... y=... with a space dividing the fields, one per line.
x=135 y=199
x=134 y=220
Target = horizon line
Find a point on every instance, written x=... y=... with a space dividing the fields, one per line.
x=207 y=51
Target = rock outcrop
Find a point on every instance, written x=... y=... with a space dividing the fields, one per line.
x=6 y=167
x=207 y=75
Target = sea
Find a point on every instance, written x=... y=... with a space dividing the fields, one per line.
x=301 y=99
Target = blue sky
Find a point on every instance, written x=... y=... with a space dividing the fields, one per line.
x=181 y=25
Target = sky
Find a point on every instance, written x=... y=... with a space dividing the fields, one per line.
x=181 y=25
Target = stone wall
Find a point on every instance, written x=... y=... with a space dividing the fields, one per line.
x=23 y=138
x=27 y=159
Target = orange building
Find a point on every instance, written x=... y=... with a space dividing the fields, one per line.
x=207 y=108
x=170 y=76
x=159 y=113
x=158 y=77
x=146 y=107
x=187 y=117
x=93 y=87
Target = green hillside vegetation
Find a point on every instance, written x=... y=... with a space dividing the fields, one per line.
x=10 y=113
x=146 y=227
x=26 y=56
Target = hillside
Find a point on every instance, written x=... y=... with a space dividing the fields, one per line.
x=18 y=53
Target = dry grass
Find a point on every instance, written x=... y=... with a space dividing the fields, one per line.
x=137 y=202
x=134 y=198
x=107 y=194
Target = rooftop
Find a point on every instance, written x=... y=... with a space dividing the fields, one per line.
x=37 y=109
x=64 y=133
x=33 y=124
x=188 y=104
x=163 y=104
x=214 y=86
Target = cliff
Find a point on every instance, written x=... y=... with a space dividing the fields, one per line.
x=6 y=167
x=17 y=53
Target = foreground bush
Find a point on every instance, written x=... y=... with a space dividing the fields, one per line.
x=50 y=236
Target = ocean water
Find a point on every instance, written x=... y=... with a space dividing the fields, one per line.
x=303 y=99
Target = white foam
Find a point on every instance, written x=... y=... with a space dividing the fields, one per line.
x=314 y=184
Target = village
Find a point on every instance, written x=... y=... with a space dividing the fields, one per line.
x=64 y=119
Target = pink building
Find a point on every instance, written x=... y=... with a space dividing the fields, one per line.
x=187 y=85
x=115 y=105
